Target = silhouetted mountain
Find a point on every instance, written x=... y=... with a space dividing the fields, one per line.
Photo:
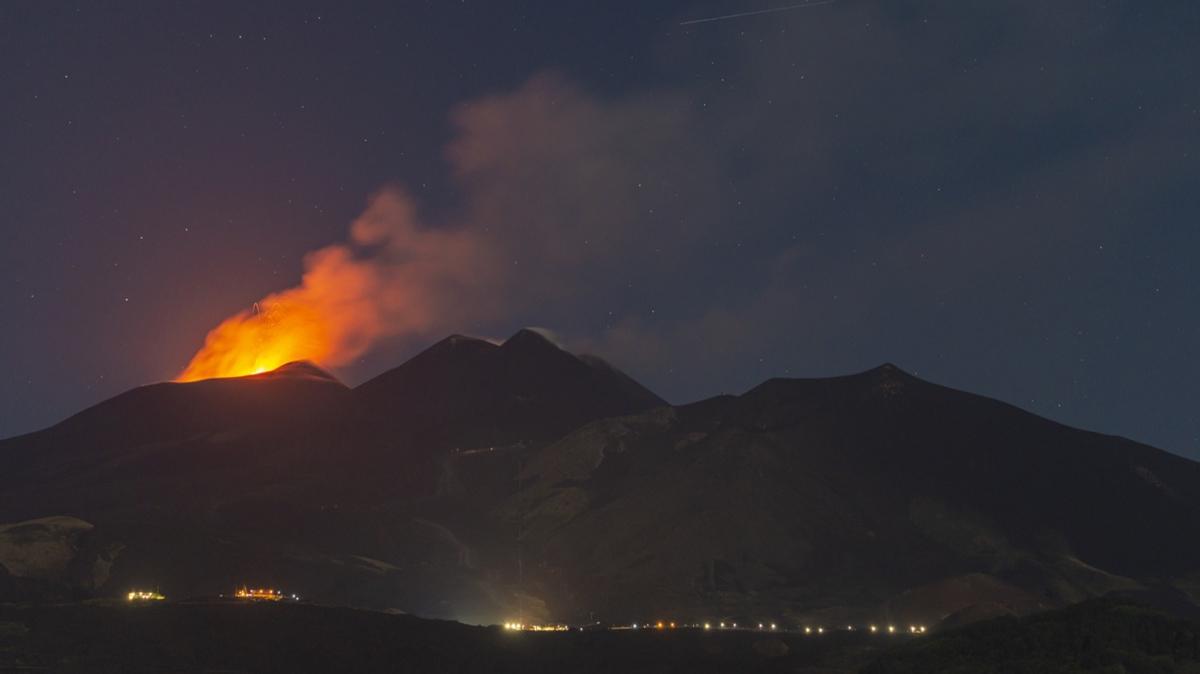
x=482 y=481
x=158 y=412
x=852 y=498
x=466 y=392
x=289 y=469
x=155 y=443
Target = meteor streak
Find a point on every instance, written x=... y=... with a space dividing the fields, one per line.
x=771 y=10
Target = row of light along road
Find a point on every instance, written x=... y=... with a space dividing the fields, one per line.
x=762 y=627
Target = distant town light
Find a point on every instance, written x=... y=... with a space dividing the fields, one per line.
x=707 y=626
x=522 y=627
x=144 y=595
x=258 y=593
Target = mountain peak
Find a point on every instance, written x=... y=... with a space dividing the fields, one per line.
x=465 y=391
x=299 y=369
x=888 y=371
x=534 y=338
x=460 y=341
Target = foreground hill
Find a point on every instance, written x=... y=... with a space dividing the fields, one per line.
x=1096 y=636
x=209 y=637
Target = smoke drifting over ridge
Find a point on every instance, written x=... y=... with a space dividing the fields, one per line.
x=554 y=184
x=394 y=276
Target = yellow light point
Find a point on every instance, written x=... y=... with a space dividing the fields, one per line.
x=891 y=629
x=921 y=629
x=707 y=626
x=874 y=629
x=722 y=625
x=258 y=594
x=808 y=630
x=659 y=625
x=820 y=630
x=772 y=625
x=672 y=625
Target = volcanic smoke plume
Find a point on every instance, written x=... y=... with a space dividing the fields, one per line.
x=393 y=276
x=555 y=189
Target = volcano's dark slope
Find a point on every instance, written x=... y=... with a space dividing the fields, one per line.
x=226 y=480
x=876 y=491
x=470 y=395
x=298 y=422
x=483 y=481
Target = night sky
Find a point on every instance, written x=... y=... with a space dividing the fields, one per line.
x=1000 y=197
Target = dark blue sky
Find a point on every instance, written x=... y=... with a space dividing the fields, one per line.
x=1000 y=197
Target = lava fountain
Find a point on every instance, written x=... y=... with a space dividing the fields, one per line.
x=260 y=340
x=394 y=277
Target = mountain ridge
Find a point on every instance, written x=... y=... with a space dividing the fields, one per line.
x=481 y=480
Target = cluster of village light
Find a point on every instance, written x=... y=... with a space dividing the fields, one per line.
x=243 y=592
x=262 y=594
x=523 y=627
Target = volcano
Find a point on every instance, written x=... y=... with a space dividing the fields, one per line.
x=480 y=481
x=471 y=393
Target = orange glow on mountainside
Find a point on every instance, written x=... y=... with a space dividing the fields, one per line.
x=282 y=331
x=393 y=277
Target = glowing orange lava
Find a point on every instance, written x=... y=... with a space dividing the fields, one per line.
x=281 y=331
x=393 y=277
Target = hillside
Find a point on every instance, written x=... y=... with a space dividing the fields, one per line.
x=1096 y=636
x=290 y=477
x=484 y=482
x=869 y=497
